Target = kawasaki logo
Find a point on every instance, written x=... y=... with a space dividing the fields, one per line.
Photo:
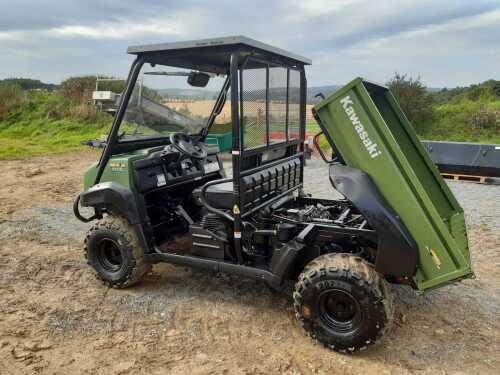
x=360 y=129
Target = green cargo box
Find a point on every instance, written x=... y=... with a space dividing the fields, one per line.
x=224 y=141
x=365 y=125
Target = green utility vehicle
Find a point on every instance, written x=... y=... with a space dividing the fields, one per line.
x=160 y=194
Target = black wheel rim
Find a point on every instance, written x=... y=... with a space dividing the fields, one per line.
x=340 y=311
x=109 y=255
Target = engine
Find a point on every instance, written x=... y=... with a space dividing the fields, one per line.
x=340 y=214
x=311 y=213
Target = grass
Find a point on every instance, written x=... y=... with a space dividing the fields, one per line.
x=60 y=136
x=455 y=121
x=41 y=125
x=312 y=127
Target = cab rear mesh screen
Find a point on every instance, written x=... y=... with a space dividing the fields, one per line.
x=254 y=120
x=270 y=105
x=294 y=104
x=277 y=104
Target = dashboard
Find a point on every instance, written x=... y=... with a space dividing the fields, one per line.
x=167 y=168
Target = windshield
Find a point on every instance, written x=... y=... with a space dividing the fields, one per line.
x=163 y=103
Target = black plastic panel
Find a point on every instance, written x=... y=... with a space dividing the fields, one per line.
x=465 y=158
x=159 y=172
x=263 y=185
x=204 y=244
x=397 y=250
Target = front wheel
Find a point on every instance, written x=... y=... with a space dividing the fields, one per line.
x=113 y=250
x=341 y=301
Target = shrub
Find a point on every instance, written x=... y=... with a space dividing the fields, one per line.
x=413 y=98
x=495 y=88
x=75 y=97
x=78 y=89
x=10 y=96
x=485 y=118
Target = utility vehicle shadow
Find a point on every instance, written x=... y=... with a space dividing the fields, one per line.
x=207 y=286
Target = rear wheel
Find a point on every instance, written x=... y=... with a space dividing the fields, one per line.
x=341 y=301
x=113 y=250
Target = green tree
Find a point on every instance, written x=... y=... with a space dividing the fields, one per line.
x=413 y=98
x=29 y=84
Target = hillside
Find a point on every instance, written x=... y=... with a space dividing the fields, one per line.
x=38 y=118
x=325 y=90
x=28 y=83
x=199 y=94
x=46 y=123
x=188 y=94
x=467 y=114
x=488 y=90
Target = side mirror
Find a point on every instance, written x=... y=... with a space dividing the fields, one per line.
x=198 y=79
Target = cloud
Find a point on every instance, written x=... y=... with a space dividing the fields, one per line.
x=448 y=43
x=458 y=51
x=46 y=14
x=315 y=8
x=119 y=30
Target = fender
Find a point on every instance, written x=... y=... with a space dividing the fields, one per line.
x=397 y=253
x=114 y=197
x=284 y=258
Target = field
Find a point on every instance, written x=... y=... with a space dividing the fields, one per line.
x=202 y=107
x=56 y=318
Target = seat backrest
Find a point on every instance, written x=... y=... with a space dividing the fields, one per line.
x=264 y=185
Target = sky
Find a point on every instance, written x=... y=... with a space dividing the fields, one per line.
x=446 y=43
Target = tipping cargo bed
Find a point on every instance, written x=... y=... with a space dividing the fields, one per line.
x=368 y=130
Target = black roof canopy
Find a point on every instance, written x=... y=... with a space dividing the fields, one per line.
x=213 y=55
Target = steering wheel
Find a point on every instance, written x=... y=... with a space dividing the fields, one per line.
x=185 y=145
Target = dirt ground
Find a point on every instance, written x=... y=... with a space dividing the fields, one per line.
x=55 y=318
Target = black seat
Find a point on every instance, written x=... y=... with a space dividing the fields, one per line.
x=218 y=196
